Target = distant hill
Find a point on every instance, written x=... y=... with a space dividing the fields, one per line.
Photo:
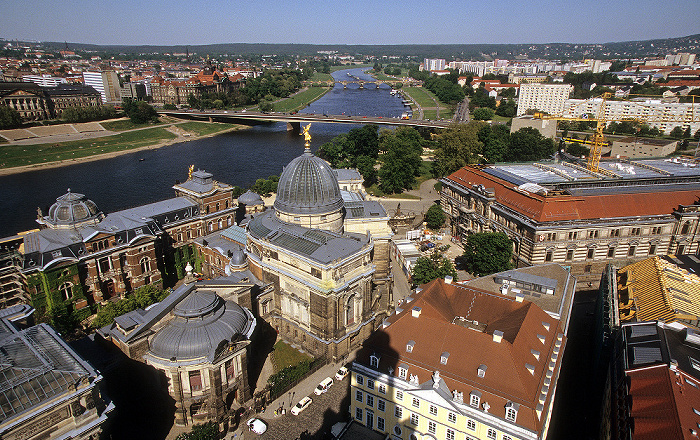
x=568 y=51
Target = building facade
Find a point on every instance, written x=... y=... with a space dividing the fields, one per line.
x=548 y=98
x=64 y=96
x=28 y=99
x=562 y=213
x=459 y=363
x=208 y=80
x=106 y=82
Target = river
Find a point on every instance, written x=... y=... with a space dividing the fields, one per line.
x=237 y=158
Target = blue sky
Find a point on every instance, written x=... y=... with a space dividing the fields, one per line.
x=346 y=22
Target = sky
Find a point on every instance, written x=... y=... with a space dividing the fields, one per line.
x=180 y=22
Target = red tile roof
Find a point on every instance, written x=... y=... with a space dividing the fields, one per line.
x=440 y=328
x=662 y=404
x=567 y=207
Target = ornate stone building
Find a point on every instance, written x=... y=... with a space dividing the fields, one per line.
x=208 y=80
x=563 y=213
x=326 y=253
x=64 y=96
x=196 y=339
x=27 y=98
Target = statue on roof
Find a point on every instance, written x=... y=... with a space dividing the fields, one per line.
x=189 y=175
x=307 y=135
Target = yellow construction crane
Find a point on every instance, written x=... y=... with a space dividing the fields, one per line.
x=602 y=119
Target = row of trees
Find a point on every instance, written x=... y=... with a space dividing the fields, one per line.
x=85 y=114
x=478 y=142
x=445 y=88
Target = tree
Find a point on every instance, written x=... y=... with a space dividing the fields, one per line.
x=507 y=108
x=677 y=132
x=430 y=268
x=9 y=118
x=401 y=161
x=266 y=106
x=457 y=146
x=577 y=149
x=483 y=114
x=206 y=431
x=487 y=253
x=435 y=217
x=528 y=144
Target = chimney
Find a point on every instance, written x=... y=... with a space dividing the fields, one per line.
x=415 y=312
x=497 y=336
x=448 y=279
x=519 y=297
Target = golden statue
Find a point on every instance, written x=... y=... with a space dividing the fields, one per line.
x=189 y=176
x=307 y=135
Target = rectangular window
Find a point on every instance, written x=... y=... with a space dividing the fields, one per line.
x=450 y=435
x=416 y=402
x=433 y=410
x=431 y=427
x=370 y=400
x=491 y=434
x=358 y=395
x=471 y=425
x=569 y=254
x=380 y=424
x=614 y=232
x=370 y=384
x=382 y=388
x=630 y=251
x=399 y=395
x=611 y=252
x=635 y=231
x=474 y=400
x=414 y=419
x=452 y=417
x=316 y=273
x=381 y=405
x=573 y=235
x=652 y=249
x=360 y=380
x=358 y=414
x=195 y=380
x=398 y=412
x=548 y=256
x=590 y=254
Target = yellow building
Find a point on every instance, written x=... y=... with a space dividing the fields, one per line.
x=459 y=363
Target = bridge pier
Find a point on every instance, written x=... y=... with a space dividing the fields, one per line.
x=345 y=86
x=362 y=85
x=294 y=126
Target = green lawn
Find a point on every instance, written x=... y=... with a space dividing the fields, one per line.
x=286 y=356
x=420 y=95
x=318 y=76
x=301 y=99
x=501 y=119
x=430 y=114
x=123 y=124
x=205 y=128
x=19 y=155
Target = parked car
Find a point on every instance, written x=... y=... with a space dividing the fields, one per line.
x=340 y=374
x=301 y=405
x=323 y=386
x=257 y=426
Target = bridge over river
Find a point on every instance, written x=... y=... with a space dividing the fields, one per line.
x=294 y=120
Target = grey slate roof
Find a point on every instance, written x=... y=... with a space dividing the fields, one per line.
x=201 y=183
x=319 y=245
x=364 y=209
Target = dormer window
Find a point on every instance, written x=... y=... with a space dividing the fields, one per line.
x=545 y=325
x=535 y=353
x=374 y=361
x=541 y=338
x=512 y=411
x=403 y=372
x=443 y=358
x=410 y=345
x=474 y=398
x=56 y=254
x=481 y=371
x=139 y=231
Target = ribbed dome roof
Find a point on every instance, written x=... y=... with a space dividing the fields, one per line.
x=203 y=320
x=249 y=198
x=308 y=186
x=72 y=209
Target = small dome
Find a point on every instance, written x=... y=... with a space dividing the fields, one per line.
x=249 y=198
x=238 y=258
x=71 y=210
x=308 y=186
x=202 y=322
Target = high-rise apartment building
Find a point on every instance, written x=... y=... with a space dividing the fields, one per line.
x=107 y=83
x=549 y=98
x=433 y=64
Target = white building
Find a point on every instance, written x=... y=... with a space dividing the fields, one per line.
x=44 y=80
x=549 y=98
x=433 y=64
x=107 y=83
x=655 y=112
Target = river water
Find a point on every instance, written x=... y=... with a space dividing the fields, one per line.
x=237 y=158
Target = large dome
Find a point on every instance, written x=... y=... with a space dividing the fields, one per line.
x=203 y=320
x=72 y=210
x=308 y=186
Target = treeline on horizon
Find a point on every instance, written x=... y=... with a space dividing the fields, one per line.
x=625 y=49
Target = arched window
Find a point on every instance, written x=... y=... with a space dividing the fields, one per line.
x=226 y=204
x=145 y=264
x=211 y=226
x=66 y=290
x=685 y=228
x=228 y=220
x=220 y=223
x=352 y=307
x=217 y=206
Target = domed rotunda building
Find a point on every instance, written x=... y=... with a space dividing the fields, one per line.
x=326 y=252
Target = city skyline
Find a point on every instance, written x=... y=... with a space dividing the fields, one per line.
x=358 y=22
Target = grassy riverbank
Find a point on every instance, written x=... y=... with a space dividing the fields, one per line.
x=301 y=99
x=13 y=156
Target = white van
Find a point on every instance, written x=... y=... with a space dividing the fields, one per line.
x=323 y=386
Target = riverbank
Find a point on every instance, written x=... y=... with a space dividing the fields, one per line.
x=91 y=149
